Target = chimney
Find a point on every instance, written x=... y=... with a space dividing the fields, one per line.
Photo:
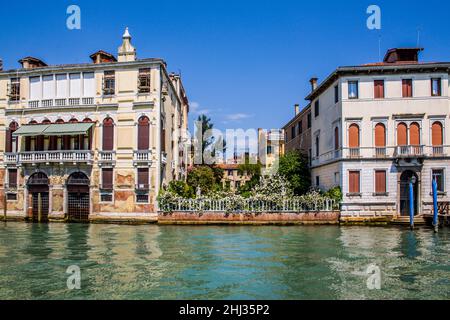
x=102 y=57
x=31 y=63
x=127 y=52
x=297 y=109
x=402 y=55
x=313 y=82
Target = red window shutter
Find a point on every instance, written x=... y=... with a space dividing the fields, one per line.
x=380 y=135
x=8 y=142
x=354 y=182
x=143 y=177
x=354 y=136
x=12 y=178
x=402 y=138
x=379 y=89
x=437 y=137
x=108 y=135
x=144 y=134
x=380 y=181
x=407 y=88
x=107 y=178
x=414 y=134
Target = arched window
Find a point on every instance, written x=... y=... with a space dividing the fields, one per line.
x=402 y=134
x=437 y=136
x=336 y=138
x=143 y=133
x=353 y=134
x=380 y=135
x=414 y=134
x=108 y=135
x=11 y=145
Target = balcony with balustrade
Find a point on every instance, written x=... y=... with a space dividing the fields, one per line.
x=48 y=157
x=61 y=103
x=142 y=157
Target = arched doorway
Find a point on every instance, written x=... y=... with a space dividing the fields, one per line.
x=405 y=179
x=78 y=197
x=38 y=188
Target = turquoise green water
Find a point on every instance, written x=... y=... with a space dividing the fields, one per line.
x=171 y=262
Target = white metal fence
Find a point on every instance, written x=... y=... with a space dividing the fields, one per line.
x=247 y=206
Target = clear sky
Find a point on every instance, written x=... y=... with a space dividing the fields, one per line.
x=245 y=63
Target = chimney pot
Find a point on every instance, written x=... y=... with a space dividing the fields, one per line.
x=297 y=109
x=313 y=82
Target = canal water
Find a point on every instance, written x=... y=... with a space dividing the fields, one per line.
x=179 y=262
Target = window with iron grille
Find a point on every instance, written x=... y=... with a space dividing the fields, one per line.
x=142 y=198
x=12 y=178
x=109 y=83
x=11 y=196
x=106 y=197
x=144 y=81
x=14 y=89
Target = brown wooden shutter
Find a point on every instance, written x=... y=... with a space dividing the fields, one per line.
x=8 y=142
x=414 y=134
x=107 y=178
x=353 y=133
x=354 y=182
x=12 y=178
x=379 y=89
x=407 y=88
x=380 y=181
x=336 y=138
x=402 y=138
x=108 y=135
x=144 y=134
x=143 y=177
x=380 y=135
x=437 y=134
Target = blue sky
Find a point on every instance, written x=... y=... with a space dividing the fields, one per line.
x=245 y=63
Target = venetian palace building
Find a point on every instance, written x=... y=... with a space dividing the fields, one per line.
x=378 y=127
x=90 y=141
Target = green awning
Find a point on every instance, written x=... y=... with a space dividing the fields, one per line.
x=66 y=129
x=31 y=130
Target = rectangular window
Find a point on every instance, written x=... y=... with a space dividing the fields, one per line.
x=75 y=85
x=353 y=90
x=317 y=181
x=379 y=89
x=309 y=120
x=337 y=178
x=14 y=89
x=407 y=88
x=438 y=175
x=380 y=181
x=354 y=182
x=336 y=94
x=317 y=146
x=35 y=88
x=144 y=81
x=48 y=87
x=61 y=86
x=12 y=178
x=89 y=85
x=436 y=89
x=109 y=83
x=316 y=108
x=292 y=132
x=107 y=179
x=300 y=127
x=143 y=179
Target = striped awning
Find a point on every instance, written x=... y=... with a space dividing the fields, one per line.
x=66 y=129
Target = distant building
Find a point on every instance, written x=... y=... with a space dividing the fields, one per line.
x=379 y=126
x=270 y=147
x=298 y=131
x=86 y=140
x=232 y=178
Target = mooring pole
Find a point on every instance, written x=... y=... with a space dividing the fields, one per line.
x=411 y=205
x=5 y=204
x=39 y=207
x=435 y=206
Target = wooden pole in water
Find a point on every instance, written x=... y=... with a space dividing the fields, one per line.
x=411 y=205
x=435 y=207
x=5 y=204
x=39 y=207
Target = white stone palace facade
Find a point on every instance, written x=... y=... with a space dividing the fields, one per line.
x=94 y=140
x=377 y=126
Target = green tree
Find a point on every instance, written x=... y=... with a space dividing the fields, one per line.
x=252 y=170
x=182 y=189
x=203 y=177
x=294 y=168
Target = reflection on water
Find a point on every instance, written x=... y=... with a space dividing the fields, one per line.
x=179 y=262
